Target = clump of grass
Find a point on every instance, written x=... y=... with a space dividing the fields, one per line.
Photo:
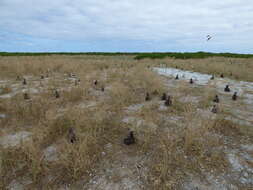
x=29 y=112
x=228 y=128
x=186 y=150
x=53 y=130
x=5 y=90
x=166 y=163
x=26 y=161
x=122 y=95
x=207 y=98
x=2 y=105
x=77 y=159
x=75 y=95
x=146 y=79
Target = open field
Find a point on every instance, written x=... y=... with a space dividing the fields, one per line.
x=75 y=141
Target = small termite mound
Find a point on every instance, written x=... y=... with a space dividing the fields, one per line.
x=130 y=139
x=216 y=99
x=227 y=89
x=72 y=75
x=147 y=98
x=57 y=94
x=26 y=96
x=164 y=97
x=155 y=92
x=214 y=109
x=72 y=135
x=234 y=97
x=24 y=82
x=168 y=101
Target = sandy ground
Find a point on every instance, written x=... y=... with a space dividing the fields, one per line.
x=124 y=168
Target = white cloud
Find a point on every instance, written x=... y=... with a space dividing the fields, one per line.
x=178 y=21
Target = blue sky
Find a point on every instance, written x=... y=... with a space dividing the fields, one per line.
x=126 y=26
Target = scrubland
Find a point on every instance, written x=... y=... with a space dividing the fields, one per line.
x=181 y=146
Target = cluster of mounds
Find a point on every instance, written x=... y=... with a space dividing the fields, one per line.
x=71 y=136
x=116 y=123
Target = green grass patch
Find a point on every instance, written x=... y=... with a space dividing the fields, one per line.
x=62 y=53
x=138 y=56
x=194 y=55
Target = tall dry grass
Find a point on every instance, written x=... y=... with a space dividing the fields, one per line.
x=174 y=149
x=234 y=68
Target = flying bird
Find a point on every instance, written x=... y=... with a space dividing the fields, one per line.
x=208 y=37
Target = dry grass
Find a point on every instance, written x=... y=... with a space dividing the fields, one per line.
x=189 y=150
x=241 y=69
x=5 y=90
x=176 y=150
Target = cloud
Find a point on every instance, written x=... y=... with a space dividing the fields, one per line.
x=142 y=25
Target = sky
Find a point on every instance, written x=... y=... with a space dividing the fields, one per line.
x=126 y=26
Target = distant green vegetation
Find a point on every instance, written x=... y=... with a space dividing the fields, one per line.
x=62 y=53
x=138 y=56
x=195 y=55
